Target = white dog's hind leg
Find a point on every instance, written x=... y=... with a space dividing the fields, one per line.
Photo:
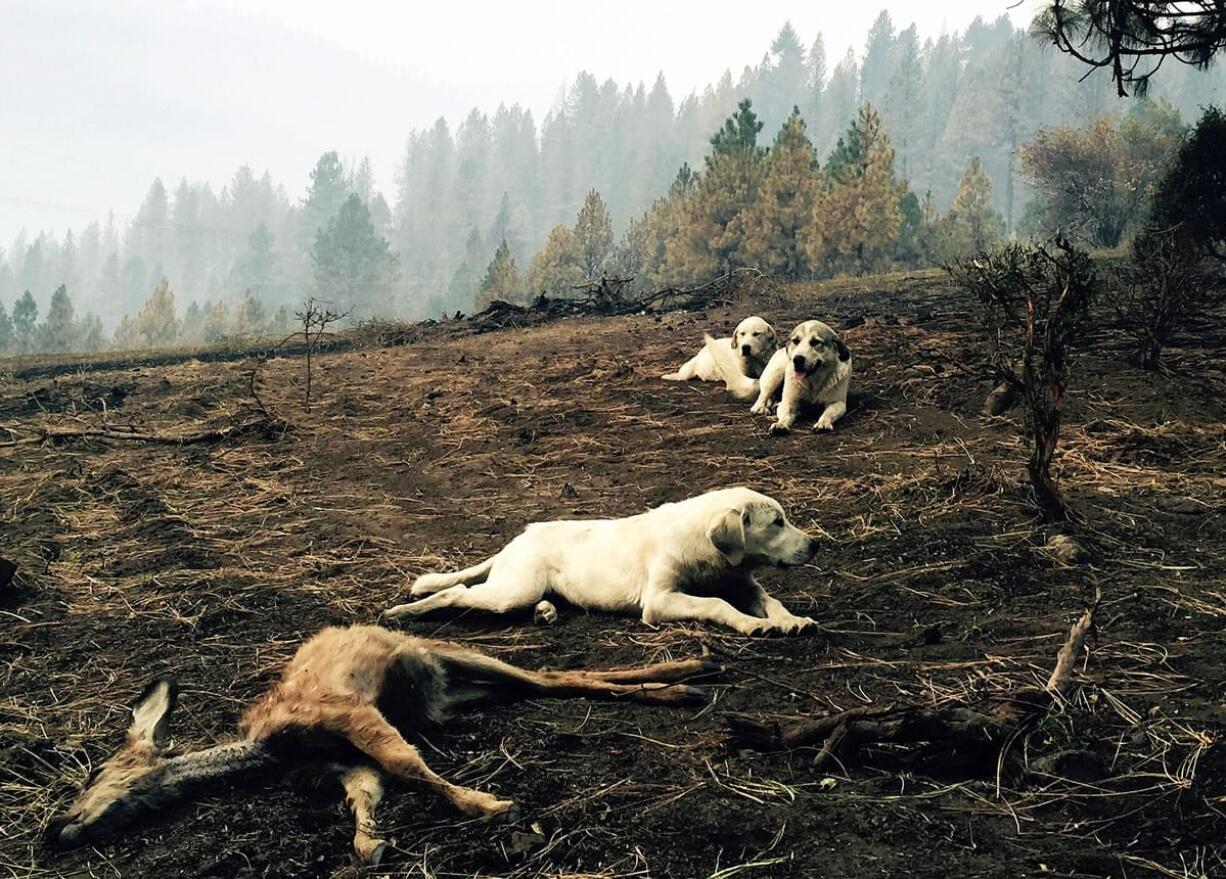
x=427 y=583
x=687 y=371
x=498 y=595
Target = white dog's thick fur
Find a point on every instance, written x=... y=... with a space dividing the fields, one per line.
x=813 y=369
x=750 y=347
x=680 y=561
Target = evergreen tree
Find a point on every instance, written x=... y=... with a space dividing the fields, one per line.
x=92 y=340
x=216 y=321
x=127 y=335
x=156 y=325
x=501 y=280
x=739 y=134
x=255 y=269
x=59 y=327
x=593 y=235
x=975 y=223
x=354 y=267
x=249 y=317
x=327 y=193
x=462 y=291
x=856 y=217
x=6 y=331
x=557 y=266
x=776 y=221
x=25 y=319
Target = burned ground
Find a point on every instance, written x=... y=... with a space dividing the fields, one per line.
x=211 y=561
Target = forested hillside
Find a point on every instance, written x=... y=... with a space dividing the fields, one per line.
x=954 y=111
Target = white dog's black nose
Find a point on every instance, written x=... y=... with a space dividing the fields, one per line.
x=799 y=361
x=746 y=350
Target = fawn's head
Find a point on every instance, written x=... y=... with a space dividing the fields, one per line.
x=113 y=793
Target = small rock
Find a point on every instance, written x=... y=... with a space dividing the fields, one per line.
x=1064 y=549
x=568 y=491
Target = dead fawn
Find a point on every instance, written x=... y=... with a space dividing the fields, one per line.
x=344 y=703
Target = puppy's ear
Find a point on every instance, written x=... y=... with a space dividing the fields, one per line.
x=727 y=534
x=844 y=354
x=774 y=339
x=732 y=340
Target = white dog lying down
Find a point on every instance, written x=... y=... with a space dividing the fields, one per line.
x=813 y=368
x=680 y=561
x=751 y=346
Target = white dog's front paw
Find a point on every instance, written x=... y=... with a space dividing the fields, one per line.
x=823 y=424
x=400 y=610
x=760 y=408
x=671 y=376
x=798 y=625
x=755 y=627
x=545 y=614
x=779 y=429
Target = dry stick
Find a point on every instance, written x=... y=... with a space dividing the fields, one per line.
x=1000 y=716
x=204 y=436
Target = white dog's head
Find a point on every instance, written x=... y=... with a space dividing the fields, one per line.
x=754 y=339
x=813 y=347
x=752 y=529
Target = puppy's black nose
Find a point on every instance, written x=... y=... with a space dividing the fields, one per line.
x=746 y=350
x=798 y=361
x=811 y=549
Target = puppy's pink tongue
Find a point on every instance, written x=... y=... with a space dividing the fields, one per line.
x=798 y=374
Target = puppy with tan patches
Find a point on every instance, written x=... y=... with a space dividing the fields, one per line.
x=751 y=346
x=814 y=369
x=690 y=560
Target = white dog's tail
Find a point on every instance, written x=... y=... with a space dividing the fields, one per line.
x=738 y=384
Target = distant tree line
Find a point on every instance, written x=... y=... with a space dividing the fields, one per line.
x=906 y=151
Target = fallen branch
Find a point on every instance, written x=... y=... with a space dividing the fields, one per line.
x=991 y=723
x=57 y=435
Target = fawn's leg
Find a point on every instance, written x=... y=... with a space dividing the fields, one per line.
x=364 y=790
x=370 y=732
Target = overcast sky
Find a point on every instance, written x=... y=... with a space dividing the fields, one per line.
x=98 y=98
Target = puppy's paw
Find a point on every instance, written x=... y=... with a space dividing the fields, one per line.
x=671 y=376
x=425 y=584
x=779 y=429
x=823 y=425
x=755 y=628
x=545 y=614
x=760 y=409
x=801 y=625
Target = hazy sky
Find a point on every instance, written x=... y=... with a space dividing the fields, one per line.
x=98 y=98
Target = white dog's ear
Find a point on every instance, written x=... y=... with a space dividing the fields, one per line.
x=727 y=534
x=844 y=354
x=732 y=340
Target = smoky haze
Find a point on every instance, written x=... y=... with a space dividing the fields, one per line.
x=414 y=161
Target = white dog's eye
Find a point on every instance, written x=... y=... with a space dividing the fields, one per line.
x=796 y=341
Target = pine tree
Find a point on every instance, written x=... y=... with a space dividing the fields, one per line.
x=216 y=321
x=92 y=334
x=775 y=222
x=501 y=280
x=127 y=335
x=6 y=331
x=354 y=267
x=59 y=328
x=256 y=267
x=328 y=191
x=976 y=225
x=25 y=319
x=856 y=217
x=249 y=317
x=556 y=268
x=462 y=291
x=712 y=229
x=593 y=235
x=156 y=325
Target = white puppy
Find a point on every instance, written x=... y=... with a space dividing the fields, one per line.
x=751 y=346
x=681 y=561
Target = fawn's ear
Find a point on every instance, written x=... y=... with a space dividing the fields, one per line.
x=727 y=534
x=151 y=714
